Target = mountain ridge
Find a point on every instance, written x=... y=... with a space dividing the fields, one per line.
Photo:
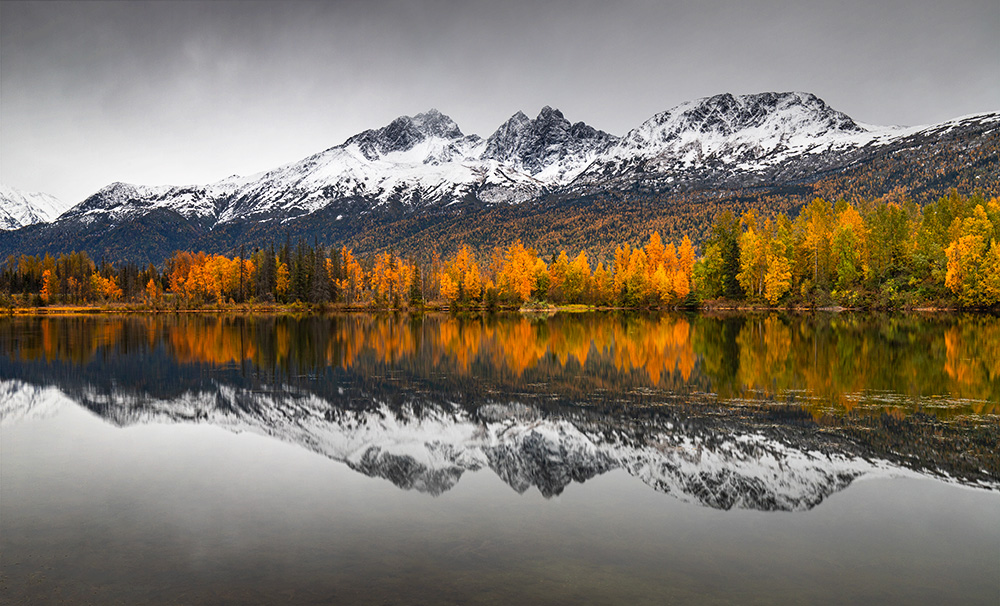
x=19 y=208
x=424 y=165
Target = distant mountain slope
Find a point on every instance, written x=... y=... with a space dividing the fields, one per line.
x=380 y=185
x=20 y=208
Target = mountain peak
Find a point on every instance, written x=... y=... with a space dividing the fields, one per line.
x=548 y=113
x=534 y=145
x=435 y=124
x=404 y=132
x=738 y=127
x=115 y=195
x=729 y=113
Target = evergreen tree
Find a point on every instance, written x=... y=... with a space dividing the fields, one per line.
x=320 y=291
x=416 y=295
x=724 y=240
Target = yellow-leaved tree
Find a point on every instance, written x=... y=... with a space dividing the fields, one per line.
x=973 y=260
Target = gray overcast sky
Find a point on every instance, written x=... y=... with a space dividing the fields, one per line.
x=189 y=92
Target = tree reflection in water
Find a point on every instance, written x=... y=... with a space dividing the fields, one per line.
x=947 y=366
x=753 y=411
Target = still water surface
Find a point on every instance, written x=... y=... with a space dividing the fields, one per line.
x=591 y=458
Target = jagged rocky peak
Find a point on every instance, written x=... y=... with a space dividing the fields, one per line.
x=405 y=132
x=754 y=109
x=435 y=124
x=505 y=141
x=532 y=145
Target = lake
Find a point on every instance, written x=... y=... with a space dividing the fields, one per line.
x=593 y=458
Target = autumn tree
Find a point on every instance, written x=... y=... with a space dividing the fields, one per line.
x=517 y=275
x=461 y=280
x=888 y=234
x=973 y=260
x=557 y=278
x=754 y=243
x=847 y=247
x=778 y=277
x=603 y=285
x=281 y=281
x=107 y=288
x=618 y=284
x=813 y=228
x=577 y=286
x=637 y=284
x=48 y=286
x=153 y=294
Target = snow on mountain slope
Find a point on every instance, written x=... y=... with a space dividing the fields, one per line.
x=426 y=161
x=754 y=140
x=735 y=128
x=549 y=148
x=119 y=202
x=20 y=208
x=414 y=160
x=736 y=134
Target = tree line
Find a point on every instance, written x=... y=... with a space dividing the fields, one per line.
x=886 y=252
x=878 y=253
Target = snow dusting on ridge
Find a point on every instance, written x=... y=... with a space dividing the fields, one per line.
x=426 y=161
x=20 y=208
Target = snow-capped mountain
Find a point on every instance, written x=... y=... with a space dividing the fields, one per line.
x=729 y=141
x=424 y=165
x=413 y=161
x=119 y=202
x=416 y=161
x=426 y=160
x=549 y=148
x=428 y=447
x=20 y=208
x=735 y=129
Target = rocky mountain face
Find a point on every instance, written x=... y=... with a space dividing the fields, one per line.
x=427 y=446
x=21 y=208
x=739 y=128
x=549 y=148
x=424 y=165
x=404 y=133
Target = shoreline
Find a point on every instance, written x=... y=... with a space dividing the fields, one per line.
x=292 y=309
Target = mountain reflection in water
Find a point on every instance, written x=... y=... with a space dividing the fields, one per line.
x=758 y=412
